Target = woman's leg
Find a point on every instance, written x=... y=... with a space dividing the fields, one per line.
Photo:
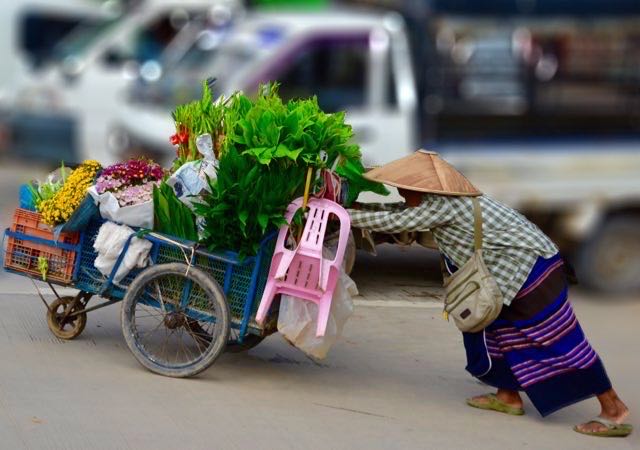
x=611 y=408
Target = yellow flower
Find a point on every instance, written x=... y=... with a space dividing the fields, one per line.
x=60 y=208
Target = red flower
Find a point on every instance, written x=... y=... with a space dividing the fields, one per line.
x=179 y=138
x=183 y=137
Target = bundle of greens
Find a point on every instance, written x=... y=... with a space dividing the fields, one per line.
x=296 y=132
x=245 y=202
x=192 y=120
x=171 y=216
x=268 y=147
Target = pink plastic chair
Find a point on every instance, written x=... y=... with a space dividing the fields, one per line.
x=303 y=272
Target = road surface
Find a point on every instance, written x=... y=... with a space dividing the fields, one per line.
x=395 y=380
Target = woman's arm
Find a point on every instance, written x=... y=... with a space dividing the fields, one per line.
x=398 y=206
x=432 y=212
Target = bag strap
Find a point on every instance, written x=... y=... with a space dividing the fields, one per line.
x=443 y=268
x=477 y=224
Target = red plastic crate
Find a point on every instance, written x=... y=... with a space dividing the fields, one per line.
x=22 y=255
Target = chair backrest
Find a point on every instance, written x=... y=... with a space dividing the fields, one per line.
x=305 y=267
x=315 y=227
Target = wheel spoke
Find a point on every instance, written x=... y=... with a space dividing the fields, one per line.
x=187 y=351
x=159 y=292
x=175 y=323
x=144 y=333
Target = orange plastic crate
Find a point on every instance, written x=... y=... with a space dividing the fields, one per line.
x=22 y=255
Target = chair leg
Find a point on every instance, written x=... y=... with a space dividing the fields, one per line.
x=324 y=310
x=265 y=302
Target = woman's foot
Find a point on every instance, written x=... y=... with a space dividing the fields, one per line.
x=505 y=401
x=613 y=411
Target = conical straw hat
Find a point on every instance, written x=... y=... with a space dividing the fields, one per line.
x=423 y=171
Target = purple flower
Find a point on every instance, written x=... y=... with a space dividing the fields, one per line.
x=134 y=172
x=121 y=177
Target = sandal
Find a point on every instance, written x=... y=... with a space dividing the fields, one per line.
x=494 y=404
x=613 y=429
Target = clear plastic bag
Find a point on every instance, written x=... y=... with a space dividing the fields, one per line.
x=297 y=319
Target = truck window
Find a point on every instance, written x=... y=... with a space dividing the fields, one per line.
x=39 y=32
x=148 y=43
x=333 y=68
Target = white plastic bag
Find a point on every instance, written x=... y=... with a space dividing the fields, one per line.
x=191 y=178
x=140 y=215
x=109 y=244
x=297 y=319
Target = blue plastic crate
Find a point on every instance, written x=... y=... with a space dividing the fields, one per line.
x=242 y=282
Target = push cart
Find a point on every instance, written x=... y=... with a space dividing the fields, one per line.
x=177 y=315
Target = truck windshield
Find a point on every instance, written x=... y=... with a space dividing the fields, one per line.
x=182 y=82
x=82 y=37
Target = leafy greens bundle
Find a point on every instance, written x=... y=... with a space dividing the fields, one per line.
x=266 y=148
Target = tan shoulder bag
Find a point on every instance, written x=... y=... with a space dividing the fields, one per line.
x=473 y=298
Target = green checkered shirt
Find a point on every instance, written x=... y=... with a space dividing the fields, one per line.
x=510 y=245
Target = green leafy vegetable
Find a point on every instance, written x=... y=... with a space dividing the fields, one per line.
x=246 y=201
x=41 y=191
x=289 y=133
x=196 y=118
x=352 y=171
x=171 y=216
x=266 y=147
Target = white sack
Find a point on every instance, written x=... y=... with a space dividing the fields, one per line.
x=109 y=244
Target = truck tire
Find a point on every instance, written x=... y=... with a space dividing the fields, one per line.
x=609 y=261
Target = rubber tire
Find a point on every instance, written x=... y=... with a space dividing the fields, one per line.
x=217 y=296
x=593 y=259
x=81 y=320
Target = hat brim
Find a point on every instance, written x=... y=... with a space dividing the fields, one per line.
x=426 y=172
x=475 y=193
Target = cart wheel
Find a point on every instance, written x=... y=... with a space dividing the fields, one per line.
x=70 y=327
x=175 y=319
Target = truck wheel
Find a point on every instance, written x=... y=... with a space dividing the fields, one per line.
x=610 y=260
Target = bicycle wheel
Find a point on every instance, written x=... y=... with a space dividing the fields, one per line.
x=175 y=320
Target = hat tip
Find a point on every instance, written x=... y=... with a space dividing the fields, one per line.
x=427 y=152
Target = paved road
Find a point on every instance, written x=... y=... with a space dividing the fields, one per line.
x=395 y=380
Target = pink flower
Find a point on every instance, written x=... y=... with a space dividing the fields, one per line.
x=135 y=172
x=134 y=195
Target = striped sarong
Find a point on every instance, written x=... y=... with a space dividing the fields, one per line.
x=536 y=345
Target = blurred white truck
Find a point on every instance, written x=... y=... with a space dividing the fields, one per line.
x=585 y=194
x=67 y=108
